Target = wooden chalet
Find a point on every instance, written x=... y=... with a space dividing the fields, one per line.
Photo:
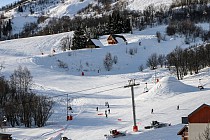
x=184 y=132
x=4 y=136
x=114 y=39
x=198 y=121
x=93 y=43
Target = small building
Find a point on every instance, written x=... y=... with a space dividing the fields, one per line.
x=198 y=123
x=184 y=132
x=115 y=39
x=94 y=43
x=4 y=136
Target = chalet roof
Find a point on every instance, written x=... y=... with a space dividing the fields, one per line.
x=117 y=38
x=4 y=134
x=195 y=111
x=182 y=130
x=95 y=42
x=120 y=36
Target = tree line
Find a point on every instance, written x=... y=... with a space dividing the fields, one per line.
x=182 y=61
x=190 y=60
x=19 y=104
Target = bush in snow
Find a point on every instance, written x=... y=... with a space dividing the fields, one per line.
x=131 y=51
x=158 y=35
x=87 y=64
x=141 y=67
x=108 y=62
x=61 y=64
x=115 y=59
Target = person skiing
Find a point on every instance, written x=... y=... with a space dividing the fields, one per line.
x=109 y=111
x=96 y=108
x=152 y=111
x=178 y=107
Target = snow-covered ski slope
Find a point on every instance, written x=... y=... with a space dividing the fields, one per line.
x=94 y=89
x=141 y=4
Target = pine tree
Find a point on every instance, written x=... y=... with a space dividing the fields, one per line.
x=9 y=25
x=79 y=39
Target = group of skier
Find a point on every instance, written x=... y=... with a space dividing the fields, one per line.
x=106 y=114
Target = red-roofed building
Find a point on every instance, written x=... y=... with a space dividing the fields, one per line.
x=198 y=123
x=114 y=39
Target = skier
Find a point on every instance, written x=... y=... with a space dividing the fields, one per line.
x=152 y=111
x=109 y=111
x=178 y=107
x=107 y=105
x=96 y=108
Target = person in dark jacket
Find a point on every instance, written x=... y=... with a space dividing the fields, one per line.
x=178 y=107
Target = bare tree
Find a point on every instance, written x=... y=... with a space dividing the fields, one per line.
x=161 y=59
x=42 y=110
x=206 y=134
x=175 y=58
x=152 y=61
x=21 y=105
x=21 y=79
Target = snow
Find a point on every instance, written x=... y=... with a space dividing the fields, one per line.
x=67 y=8
x=97 y=42
x=142 y=4
x=94 y=89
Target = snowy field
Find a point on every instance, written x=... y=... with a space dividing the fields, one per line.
x=94 y=89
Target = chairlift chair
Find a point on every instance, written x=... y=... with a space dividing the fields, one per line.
x=146 y=89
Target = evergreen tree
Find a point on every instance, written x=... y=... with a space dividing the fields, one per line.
x=4 y=30
x=79 y=39
x=9 y=25
x=111 y=25
x=118 y=24
x=20 y=9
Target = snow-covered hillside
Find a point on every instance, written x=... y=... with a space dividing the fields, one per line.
x=58 y=9
x=94 y=89
x=141 y=4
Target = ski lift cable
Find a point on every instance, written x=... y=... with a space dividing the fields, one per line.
x=168 y=81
